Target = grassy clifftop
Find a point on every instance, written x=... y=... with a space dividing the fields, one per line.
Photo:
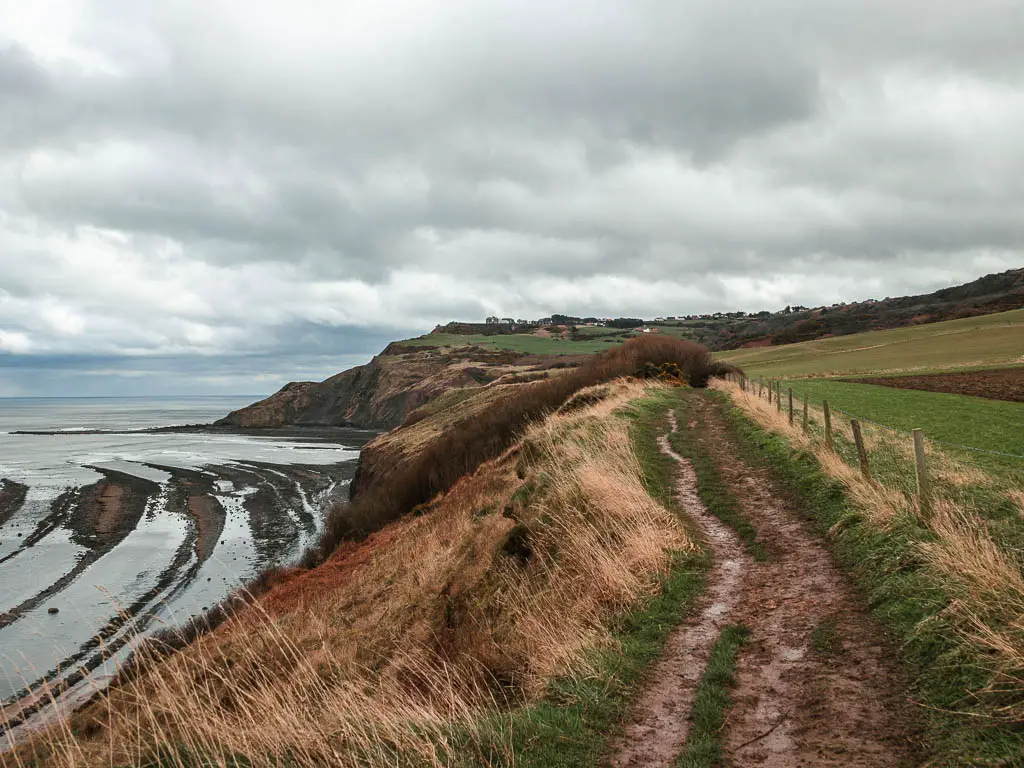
x=410 y=645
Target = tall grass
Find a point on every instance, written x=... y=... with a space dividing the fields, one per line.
x=394 y=649
x=464 y=446
x=987 y=584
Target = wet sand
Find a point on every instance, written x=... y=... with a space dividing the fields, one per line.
x=89 y=570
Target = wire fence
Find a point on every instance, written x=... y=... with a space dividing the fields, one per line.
x=906 y=461
x=944 y=521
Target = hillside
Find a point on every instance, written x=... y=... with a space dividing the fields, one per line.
x=987 y=295
x=974 y=342
x=600 y=563
x=414 y=372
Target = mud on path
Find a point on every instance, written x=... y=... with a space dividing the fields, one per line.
x=817 y=684
x=659 y=723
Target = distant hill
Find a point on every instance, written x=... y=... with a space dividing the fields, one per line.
x=411 y=373
x=986 y=295
x=733 y=330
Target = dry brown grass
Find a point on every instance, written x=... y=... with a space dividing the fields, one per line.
x=946 y=469
x=879 y=503
x=988 y=583
x=392 y=483
x=505 y=581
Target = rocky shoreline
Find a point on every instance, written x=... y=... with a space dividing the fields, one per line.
x=208 y=530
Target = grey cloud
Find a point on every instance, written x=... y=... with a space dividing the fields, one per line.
x=247 y=179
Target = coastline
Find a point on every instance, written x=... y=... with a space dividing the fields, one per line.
x=156 y=545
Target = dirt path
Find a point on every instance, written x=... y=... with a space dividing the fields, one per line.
x=816 y=684
x=660 y=720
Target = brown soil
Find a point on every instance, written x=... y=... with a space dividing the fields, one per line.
x=797 y=703
x=997 y=384
x=659 y=724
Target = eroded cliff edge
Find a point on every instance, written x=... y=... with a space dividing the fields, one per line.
x=380 y=394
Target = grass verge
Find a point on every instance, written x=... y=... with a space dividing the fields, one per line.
x=573 y=724
x=910 y=599
x=704 y=744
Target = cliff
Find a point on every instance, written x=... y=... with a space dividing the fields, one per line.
x=378 y=395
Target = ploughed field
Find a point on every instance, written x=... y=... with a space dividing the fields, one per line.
x=998 y=384
x=108 y=536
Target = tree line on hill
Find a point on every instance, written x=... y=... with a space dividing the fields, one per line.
x=729 y=330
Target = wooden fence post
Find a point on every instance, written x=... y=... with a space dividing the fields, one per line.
x=805 y=413
x=790 y=406
x=921 y=470
x=778 y=397
x=828 y=426
x=862 y=453
x=769 y=392
x=760 y=386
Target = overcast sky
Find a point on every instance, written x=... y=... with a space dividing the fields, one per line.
x=222 y=196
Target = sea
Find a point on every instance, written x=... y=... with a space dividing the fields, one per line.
x=120 y=517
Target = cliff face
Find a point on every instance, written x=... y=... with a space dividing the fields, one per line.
x=378 y=395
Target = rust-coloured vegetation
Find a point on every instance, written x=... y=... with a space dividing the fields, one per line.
x=464 y=446
x=421 y=631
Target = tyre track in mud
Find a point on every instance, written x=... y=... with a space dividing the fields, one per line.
x=796 y=703
x=659 y=722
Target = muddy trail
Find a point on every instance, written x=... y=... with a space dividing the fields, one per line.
x=817 y=685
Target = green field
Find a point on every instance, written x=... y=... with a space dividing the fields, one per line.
x=987 y=341
x=521 y=342
x=598 y=331
x=992 y=425
x=974 y=342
